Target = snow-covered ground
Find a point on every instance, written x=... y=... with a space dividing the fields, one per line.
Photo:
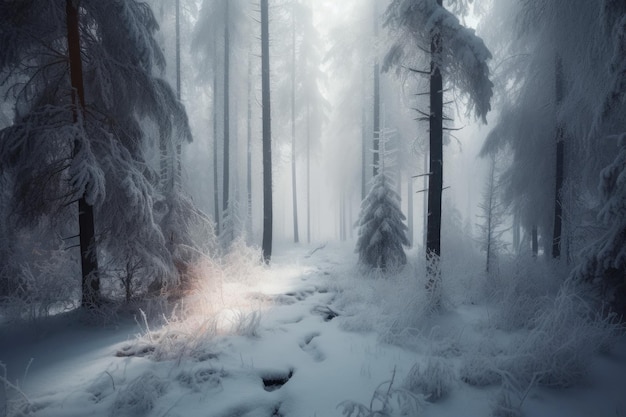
x=308 y=336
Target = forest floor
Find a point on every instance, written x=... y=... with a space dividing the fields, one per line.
x=300 y=339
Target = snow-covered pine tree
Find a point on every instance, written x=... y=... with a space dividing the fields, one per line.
x=605 y=263
x=458 y=57
x=382 y=232
x=56 y=153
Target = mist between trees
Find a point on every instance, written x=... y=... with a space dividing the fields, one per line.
x=140 y=139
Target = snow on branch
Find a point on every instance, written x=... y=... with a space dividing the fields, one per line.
x=464 y=56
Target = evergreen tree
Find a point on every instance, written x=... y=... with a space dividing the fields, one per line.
x=57 y=152
x=605 y=263
x=457 y=52
x=382 y=232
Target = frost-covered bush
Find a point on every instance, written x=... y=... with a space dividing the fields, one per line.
x=139 y=396
x=479 y=370
x=434 y=380
x=386 y=401
x=523 y=289
x=564 y=335
x=45 y=284
x=242 y=262
x=216 y=304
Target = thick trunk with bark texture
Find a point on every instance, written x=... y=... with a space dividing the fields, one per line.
x=88 y=249
x=435 y=179
x=267 y=134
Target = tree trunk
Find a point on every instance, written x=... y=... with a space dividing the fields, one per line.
x=534 y=241
x=425 y=180
x=308 y=173
x=226 y=166
x=249 y=147
x=216 y=197
x=376 y=95
x=560 y=151
x=364 y=139
x=179 y=150
x=267 y=134
x=296 y=238
x=88 y=249
x=490 y=213
x=409 y=198
x=516 y=232
x=435 y=182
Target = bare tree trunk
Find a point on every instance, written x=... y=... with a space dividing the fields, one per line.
x=490 y=203
x=560 y=152
x=179 y=151
x=296 y=237
x=267 y=134
x=535 y=241
x=435 y=183
x=516 y=232
x=249 y=146
x=409 y=197
x=88 y=249
x=425 y=198
x=364 y=139
x=376 y=95
x=226 y=166
x=216 y=197
x=308 y=173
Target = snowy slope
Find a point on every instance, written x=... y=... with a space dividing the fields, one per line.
x=301 y=339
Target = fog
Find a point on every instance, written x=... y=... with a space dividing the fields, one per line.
x=345 y=52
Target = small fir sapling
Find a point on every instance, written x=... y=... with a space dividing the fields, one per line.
x=382 y=232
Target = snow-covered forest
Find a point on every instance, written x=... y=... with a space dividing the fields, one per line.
x=312 y=208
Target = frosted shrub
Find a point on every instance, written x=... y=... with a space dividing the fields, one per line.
x=434 y=381
x=386 y=401
x=247 y=324
x=48 y=285
x=139 y=396
x=242 y=262
x=522 y=290
x=215 y=305
x=479 y=370
x=563 y=338
x=511 y=396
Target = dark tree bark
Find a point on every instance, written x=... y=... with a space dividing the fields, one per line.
x=364 y=141
x=226 y=167
x=88 y=249
x=267 y=134
x=296 y=237
x=376 y=96
x=409 y=214
x=435 y=179
x=560 y=157
x=179 y=150
x=249 y=146
x=534 y=244
x=308 y=172
x=216 y=197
